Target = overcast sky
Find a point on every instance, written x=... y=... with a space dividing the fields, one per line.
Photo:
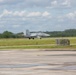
x=37 y=15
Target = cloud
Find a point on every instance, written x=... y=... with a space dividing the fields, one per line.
x=66 y=3
x=12 y=13
x=62 y=4
x=45 y=14
x=68 y=18
x=5 y=13
x=19 y=13
x=34 y=14
x=37 y=3
x=38 y=14
x=54 y=3
x=23 y=13
x=71 y=16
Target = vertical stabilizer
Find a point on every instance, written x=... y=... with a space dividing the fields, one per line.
x=28 y=33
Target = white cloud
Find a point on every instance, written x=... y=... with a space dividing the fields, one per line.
x=5 y=13
x=45 y=14
x=61 y=4
x=34 y=14
x=71 y=15
x=54 y=3
x=13 y=13
x=66 y=3
x=21 y=13
x=36 y=3
x=38 y=14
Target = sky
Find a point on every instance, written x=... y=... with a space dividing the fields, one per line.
x=37 y=15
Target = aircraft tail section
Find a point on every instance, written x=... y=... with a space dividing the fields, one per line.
x=28 y=33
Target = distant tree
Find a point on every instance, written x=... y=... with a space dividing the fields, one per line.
x=20 y=35
x=7 y=34
x=1 y=36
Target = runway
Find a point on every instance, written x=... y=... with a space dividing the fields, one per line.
x=37 y=62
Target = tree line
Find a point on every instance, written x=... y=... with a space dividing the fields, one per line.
x=65 y=33
x=8 y=34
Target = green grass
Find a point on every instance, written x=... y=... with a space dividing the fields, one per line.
x=44 y=43
x=15 y=42
x=39 y=47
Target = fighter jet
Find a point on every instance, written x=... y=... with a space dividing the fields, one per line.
x=35 y=35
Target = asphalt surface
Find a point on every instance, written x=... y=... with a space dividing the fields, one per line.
x=37 y=62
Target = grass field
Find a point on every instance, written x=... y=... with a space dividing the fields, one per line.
x=44 y=43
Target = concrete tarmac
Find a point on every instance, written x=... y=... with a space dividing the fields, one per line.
x=36 y=62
